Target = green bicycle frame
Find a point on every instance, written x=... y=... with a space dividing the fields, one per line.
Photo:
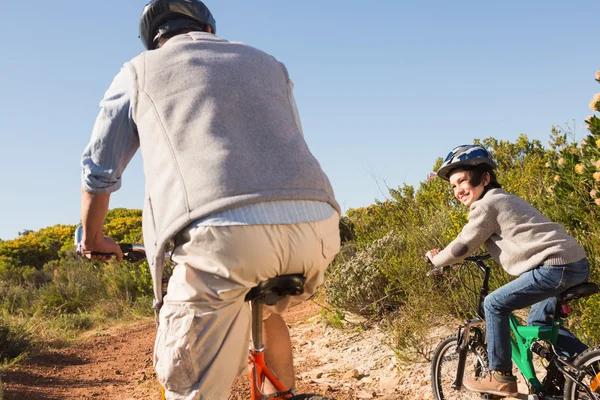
x=522 y=336
x=521 y=340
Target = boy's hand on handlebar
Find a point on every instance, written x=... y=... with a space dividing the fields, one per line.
x=430 y=254
x=103 y=250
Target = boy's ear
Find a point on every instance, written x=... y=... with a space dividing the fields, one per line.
x=487 y=179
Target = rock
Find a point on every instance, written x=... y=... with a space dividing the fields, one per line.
x=389 y=384
x=353 y=373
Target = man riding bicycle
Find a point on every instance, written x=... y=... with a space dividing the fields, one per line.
x=546 y=259
x=229 y=178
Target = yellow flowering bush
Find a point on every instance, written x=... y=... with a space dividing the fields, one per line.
x=34 y=249
x=595 y=103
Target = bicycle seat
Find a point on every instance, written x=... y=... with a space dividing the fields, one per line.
x=274 y=289
x=578 y=291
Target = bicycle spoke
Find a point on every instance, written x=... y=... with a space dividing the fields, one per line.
x=444 y=374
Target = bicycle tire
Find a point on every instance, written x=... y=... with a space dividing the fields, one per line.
x=589 y=361
x=444 y=365
x=310 y=397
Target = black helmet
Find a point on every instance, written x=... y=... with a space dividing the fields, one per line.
x=465 y=155
x=162 y=16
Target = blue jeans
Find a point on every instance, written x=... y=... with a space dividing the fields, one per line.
x=537 y=287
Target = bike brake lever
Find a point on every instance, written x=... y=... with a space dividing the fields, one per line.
x=438 y=271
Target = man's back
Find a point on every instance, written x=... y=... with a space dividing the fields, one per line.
x=218 y=129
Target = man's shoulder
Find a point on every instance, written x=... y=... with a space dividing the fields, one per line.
x=135 y=61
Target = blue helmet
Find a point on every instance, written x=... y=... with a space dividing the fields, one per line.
x=465 y=155
x=163 y=16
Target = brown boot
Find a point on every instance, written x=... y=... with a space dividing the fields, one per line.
x=493 y=383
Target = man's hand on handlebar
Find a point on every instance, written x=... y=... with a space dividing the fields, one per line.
x=103 y=250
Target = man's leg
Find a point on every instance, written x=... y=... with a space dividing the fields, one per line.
x=310 y=249
x=278 y=354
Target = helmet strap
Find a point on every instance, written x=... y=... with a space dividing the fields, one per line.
x=172 y=26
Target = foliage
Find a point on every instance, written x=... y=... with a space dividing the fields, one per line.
x=43 y=284
x=359 y=285
x=334 y=318
x=124 y=225
x=37 y=248
x=14 y=341
x=385 y=272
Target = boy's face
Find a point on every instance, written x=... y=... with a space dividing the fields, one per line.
x=463 y=190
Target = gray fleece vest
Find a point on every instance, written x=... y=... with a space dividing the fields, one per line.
x=218 y=129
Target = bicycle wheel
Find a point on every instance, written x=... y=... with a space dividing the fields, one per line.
x=589 y=363
x=445 y=364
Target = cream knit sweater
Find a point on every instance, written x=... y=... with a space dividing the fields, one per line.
x=516 y=235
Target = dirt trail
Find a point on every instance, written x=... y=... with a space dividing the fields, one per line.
x=116 y=363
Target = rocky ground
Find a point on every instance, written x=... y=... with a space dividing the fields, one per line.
x=116 y=363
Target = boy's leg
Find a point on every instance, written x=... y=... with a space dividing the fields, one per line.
x=534 y=286
x=542 y=314
x=531 y=287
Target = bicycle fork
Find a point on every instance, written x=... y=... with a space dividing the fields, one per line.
x=462 y=347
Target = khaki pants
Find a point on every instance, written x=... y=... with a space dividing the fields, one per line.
x=204 y=331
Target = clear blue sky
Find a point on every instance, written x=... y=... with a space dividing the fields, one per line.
x=383 y=87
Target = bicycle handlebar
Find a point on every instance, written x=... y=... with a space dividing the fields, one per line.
x=476 y=258
x=131 y=252
x=440 y=270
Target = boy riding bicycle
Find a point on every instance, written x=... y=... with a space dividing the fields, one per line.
x=546 y=259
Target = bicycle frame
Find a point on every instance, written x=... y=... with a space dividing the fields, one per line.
x=258 y=371
x=521 y=339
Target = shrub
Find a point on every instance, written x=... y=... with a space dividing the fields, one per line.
x=359 y=285
x=76 y=286
x=14 y=341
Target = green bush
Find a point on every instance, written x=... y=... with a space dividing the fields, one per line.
x=359 y=285
x=75 y=322
x=76 y=286
x=16 y=299
x=128 y=281
x=14 y=341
